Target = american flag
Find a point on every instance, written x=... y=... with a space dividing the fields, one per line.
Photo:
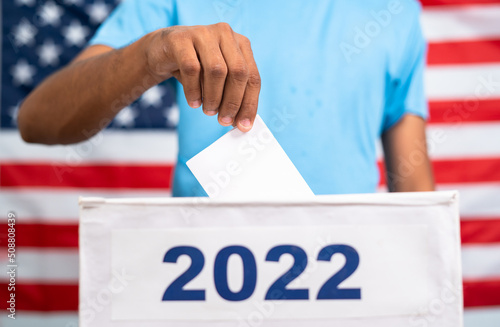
x=136 y=154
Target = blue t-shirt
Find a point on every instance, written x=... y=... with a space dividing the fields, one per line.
x=335 y=75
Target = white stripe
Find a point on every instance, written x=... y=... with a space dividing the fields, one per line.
x=460 y=141
x=480 y=200
x=44 y=265
x=464 y=141
x=108 y=146
x=61 y=206
x=449 y=23
x=471 y=82
x=61 y=265
x=57 y=206
x=450 y=140
x=32 y=319
x=481 y=261
x=482 y=317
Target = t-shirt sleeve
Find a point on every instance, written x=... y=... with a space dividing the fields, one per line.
x=133 y=19
x=406 y=94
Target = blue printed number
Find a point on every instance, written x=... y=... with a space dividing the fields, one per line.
x=175 y=291
x=330 y=290
x=278 y=290
x=249 y=273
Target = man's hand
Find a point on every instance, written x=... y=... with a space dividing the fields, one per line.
x=216 y=67
x=214 y=64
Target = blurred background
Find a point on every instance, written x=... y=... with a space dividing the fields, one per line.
x=135 y=156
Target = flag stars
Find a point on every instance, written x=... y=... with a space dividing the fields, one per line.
x=12 y=112
x=23 y=73
x=50 y=14
x=153 y=96
x=24 y=33
x=98 y=11
x=49 y=53
x=126 y=117
x=171 y=114
x=75 y=34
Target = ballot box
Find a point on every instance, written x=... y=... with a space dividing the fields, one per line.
x=345 y=260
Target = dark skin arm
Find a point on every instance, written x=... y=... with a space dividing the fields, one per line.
x=408 y=167
x=214 y=64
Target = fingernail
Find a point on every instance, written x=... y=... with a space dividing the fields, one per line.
x=226 y=120
x=195 y=104
x=211 y=112
x=245 y=123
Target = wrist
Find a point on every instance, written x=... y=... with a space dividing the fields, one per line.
x=154 y=49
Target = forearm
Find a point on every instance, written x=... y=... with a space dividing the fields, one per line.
x=82 y=98
x=408 y=167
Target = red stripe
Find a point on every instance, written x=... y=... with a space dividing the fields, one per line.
x=458 y=171
x=431 y=3
x=481 y=293
x=55 y=297
x=480 y=231
x=86 y=176
x=474 y=231
x=466 y=170
x=464 y=111
x=44 y=297
x=43 y=235
x=158 y=177
x=464 y=52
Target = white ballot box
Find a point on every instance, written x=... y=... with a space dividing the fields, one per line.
x=378 y=260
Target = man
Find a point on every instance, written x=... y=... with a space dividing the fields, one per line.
x=332 y=77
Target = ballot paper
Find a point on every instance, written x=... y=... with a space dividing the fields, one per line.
x=248 y=165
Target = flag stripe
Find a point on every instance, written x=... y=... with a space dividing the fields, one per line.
x=464 y=52
x=43 y=235
x=478 y=231
x=44 y=297
x=477 y=200
x=60 y=297
x=86 y=176
x=61 y=265
x=473 y=317
x=482 y=317
x=460 y=23
x=448 y=82
x=452 y=139
x=431 y=3
x=480 y=293
x=41 y=319
x=454 y=171
x=45 y=265
x=60 y=206
x=109 y=145
x=38 y=235
x=21 y=175
x=464 y=111
x=481 y=261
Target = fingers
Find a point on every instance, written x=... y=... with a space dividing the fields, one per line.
x=214 y=71
x=190 y=69
x=248 y=109
x=217 y=68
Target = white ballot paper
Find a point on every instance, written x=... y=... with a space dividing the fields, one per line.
x=251 y=164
